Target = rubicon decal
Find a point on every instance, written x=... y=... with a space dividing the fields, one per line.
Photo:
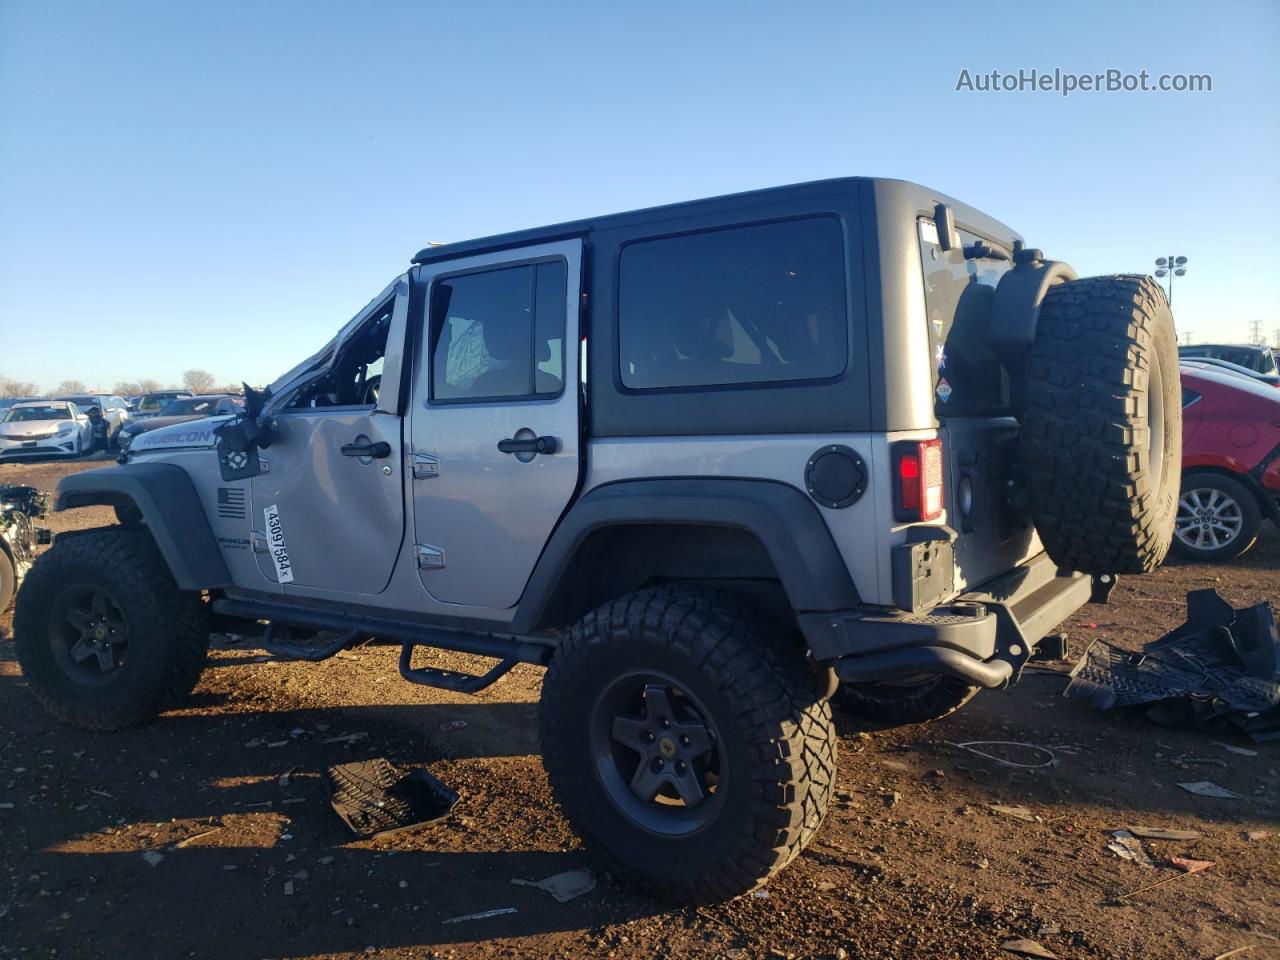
x=276 y=545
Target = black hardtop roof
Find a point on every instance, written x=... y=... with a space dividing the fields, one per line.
x=671 y=211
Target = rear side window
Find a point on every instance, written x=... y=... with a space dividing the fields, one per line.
x=743 y=305
x=499 y=334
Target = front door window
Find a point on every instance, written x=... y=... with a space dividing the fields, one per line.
x=499 y=334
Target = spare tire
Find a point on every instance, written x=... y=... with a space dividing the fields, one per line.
x=1101 y=439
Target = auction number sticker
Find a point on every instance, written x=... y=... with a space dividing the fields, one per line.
x=276 y=545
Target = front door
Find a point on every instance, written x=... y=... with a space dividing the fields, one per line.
x=328 y=508
x=494 y=424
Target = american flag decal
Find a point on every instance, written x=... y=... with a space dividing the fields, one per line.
x=231 y=505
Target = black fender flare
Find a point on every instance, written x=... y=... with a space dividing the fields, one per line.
x=784 y=519
x=171 y=508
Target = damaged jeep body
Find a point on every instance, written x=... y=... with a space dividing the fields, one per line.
x=813 y=437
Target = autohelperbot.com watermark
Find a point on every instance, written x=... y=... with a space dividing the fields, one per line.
x=1065 y=83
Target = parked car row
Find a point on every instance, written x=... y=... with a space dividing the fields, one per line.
x=61 y=426
x=1257 y=357
x=65 y=426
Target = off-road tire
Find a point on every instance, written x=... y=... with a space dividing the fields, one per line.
x=168 y=630
x=1101 y=439
x=774 y=724
x=128 y=515
x=8 y=580
x=931 y=699
x=1250 y=518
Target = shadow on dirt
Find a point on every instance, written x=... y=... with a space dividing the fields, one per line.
x=144 y=790
x=1115 y=760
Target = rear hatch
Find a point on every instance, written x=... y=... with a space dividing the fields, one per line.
x=971 y=402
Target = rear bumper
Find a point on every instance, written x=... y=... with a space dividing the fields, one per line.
x=983 y=637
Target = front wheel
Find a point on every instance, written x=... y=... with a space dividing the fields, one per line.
x=1218 y=518
x=104 y=636
x=683 y=739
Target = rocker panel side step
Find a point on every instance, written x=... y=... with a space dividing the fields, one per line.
x=450 y=679
x=412 y=634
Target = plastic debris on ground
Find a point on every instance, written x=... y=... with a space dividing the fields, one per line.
x=1127 y=847
x=1161 y=833
x=1191 y=866
x=1017 y=812
x=377 y=799
x=1028 y=948
x=1238 y=751
x=1207 y=788
x=482 y=915
x=1220 y=669
x=563 y=886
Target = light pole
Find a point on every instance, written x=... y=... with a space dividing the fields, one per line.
x=1171 y=266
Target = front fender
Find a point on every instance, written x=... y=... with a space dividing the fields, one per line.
x=171 y=508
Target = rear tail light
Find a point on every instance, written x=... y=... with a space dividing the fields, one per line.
x=917 y=474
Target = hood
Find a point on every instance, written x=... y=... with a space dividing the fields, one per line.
x=180 y=432
x=155 y=421
x=27 y=428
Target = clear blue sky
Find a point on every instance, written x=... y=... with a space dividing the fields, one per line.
x=222 y=184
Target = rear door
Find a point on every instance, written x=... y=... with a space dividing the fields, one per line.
x=494 y=426
x=971 y=401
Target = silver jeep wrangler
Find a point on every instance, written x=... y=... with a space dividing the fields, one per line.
x=711 y=464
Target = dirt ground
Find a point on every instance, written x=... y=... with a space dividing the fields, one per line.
x=207 y=833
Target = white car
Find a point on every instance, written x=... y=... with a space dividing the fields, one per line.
x=44 y=428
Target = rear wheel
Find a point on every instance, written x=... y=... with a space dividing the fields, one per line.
x=1102 y=425
x=913 y=700
x=104 y=636
x=1218 y=518
x=679 y=737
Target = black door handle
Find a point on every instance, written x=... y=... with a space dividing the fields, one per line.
x=532 y=445
x=377 y=449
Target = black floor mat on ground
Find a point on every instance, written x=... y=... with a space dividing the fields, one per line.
x=375 y=799
x=1219 y=668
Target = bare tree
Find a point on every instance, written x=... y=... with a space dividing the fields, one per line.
x=124 y=388
x=68 y=387
x=147 y=385
x=234 y=389
x=198 y=381
x=17 y=388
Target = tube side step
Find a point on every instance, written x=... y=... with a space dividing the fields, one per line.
x=450 y=679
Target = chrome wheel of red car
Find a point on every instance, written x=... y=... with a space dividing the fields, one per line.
x=1218 y=517
x=1208 y=519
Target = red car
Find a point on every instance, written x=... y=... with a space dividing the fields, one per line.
x=1230 y=463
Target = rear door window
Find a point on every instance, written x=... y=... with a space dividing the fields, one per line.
x=744 y=305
